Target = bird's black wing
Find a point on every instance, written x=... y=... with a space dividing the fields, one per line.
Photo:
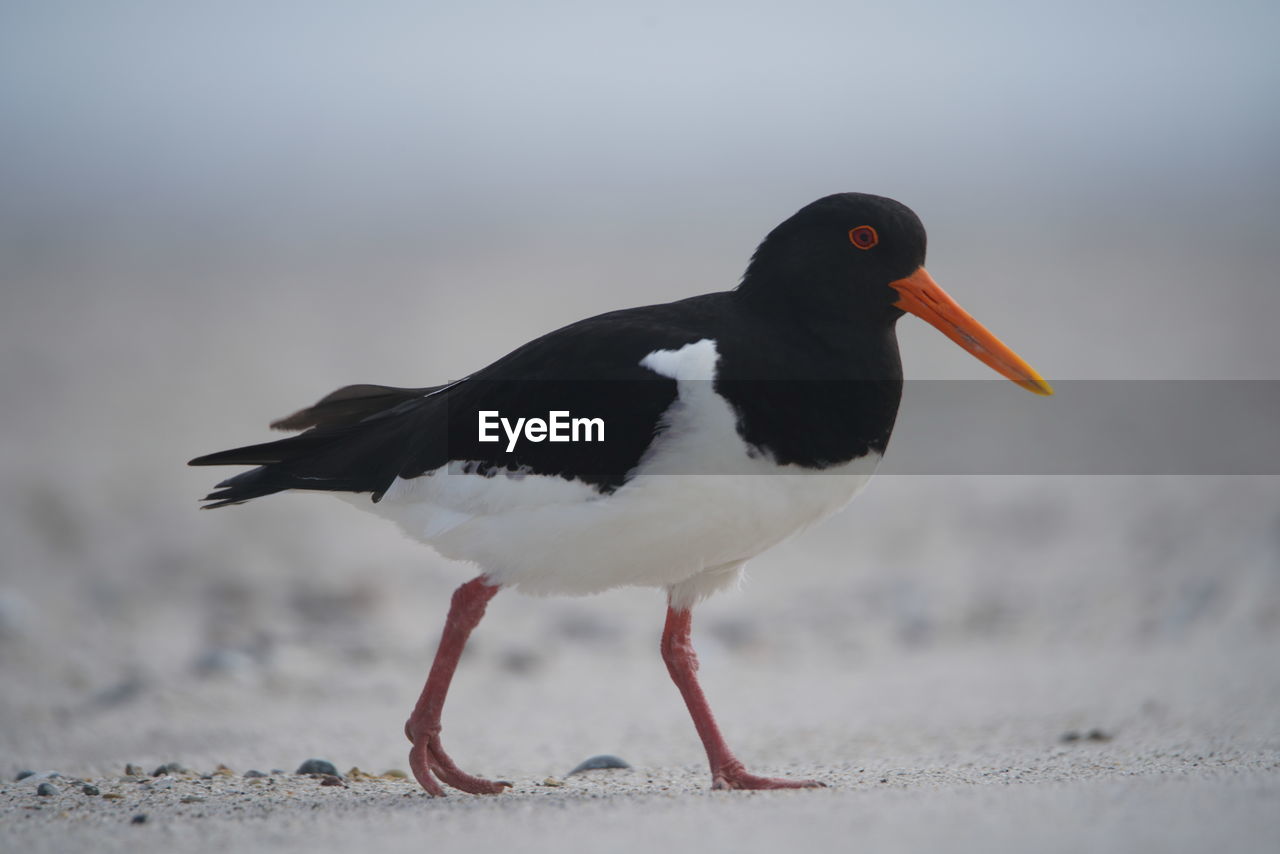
x=349 y=405
x=361 y=438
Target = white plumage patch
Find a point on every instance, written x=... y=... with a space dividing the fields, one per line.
x=696 y=361
x=689 y=532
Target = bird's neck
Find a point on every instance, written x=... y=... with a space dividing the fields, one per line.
x=813 y=297
x=842 y=340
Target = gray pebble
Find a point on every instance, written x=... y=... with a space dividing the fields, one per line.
x=140 y=818
x=519 y=661
x=251 y=773
x=169 y=768
x=584 y=625
x=24 y=774
x=122 y=692
x=17 y=617
x=132 y=770
x=598 y=763
x=222 y=661
x=318 y=766
x=46 y=789
x=90 y=789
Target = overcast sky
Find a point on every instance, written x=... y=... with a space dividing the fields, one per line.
x=342 y=112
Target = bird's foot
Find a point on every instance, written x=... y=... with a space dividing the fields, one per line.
x=734 y=776
x=428 y=761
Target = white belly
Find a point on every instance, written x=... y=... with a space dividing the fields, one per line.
x=691 y=531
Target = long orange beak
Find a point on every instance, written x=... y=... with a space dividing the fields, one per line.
x=923 y=297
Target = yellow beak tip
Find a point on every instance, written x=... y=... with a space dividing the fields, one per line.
x=1037 y=386
x=920 y=295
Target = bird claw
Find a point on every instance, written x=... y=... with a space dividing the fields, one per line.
x=740 y=779
x=428 y=761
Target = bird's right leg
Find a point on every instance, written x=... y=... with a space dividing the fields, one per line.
x=727 y=772
x=427 y=757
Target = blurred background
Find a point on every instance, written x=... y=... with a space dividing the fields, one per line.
x=213 y=214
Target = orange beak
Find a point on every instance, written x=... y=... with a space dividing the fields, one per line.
x=923 y=297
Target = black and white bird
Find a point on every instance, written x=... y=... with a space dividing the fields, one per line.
x=659 y=446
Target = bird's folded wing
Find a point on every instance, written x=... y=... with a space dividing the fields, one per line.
x=362 y=438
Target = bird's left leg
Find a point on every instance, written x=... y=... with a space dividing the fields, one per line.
x=682 y=663
x=427 y=758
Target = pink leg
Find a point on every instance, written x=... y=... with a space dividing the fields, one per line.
x=682 y=663
x=427 y=757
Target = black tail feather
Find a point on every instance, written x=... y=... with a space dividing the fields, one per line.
x=345 y=448
x=349 y=405
x=240 y=488
x=268 y=452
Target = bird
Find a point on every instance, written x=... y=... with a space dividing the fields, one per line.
x=658 y=446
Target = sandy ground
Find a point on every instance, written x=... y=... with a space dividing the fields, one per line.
x=1060 y=711
x=967 y=750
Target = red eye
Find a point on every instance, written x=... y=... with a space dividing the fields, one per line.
x=863 y=237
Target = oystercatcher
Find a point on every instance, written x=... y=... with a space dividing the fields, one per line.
x=658 y=446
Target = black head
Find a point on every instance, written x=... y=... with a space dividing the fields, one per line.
x=852 y=264
x=838 y=255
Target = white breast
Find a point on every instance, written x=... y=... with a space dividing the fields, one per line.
x=687 y=531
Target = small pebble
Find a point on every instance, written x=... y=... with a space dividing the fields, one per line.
x=553 y=782
x=22 y=775
x=89 y=789
x=1098 y=735
x=318 y=766
x=192 y=799
x=112 y=796
x=222 y=661
x=169 y=768
x=598 y=763
x=251 y=773
x=395 y=774
x=124 y=691
x=17 y=616
x=140 y=818
x=132 y=770
x=519 y=661
x=46 y=789
x=331 y=780
x=223 y=771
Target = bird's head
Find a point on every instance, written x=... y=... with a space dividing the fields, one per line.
x=858 y=256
